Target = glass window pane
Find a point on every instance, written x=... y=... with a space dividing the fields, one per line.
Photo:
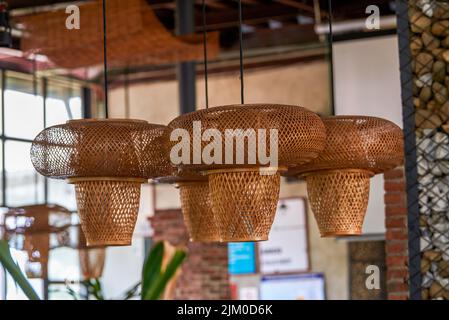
x=58 y=111
x=77 y=107
x=61 y=193
x=13 y=292
x=63 y=265
x=63 y=103
x=24 y=186
x=24 y=115
x=60 y=292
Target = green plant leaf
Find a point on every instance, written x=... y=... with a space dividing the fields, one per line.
x=72 y=292
x=98 y=289
x=152 y=268
x=133 y=292
x=8 y=263
x=158 y=286
x=93 y=288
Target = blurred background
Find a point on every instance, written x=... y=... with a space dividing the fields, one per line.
x=52 y=74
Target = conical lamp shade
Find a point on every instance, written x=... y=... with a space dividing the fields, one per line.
x=29 y=229
x=107 y=160
x=243 y=198
x=197 y=210
x=92 y=262
x=338 y=181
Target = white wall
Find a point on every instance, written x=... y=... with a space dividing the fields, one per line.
x=123 y=268
x=367 y=82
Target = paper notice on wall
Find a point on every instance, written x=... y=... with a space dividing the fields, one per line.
x=286 y=251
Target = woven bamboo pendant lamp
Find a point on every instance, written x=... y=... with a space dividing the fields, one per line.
x=107 y=160
x=244 y=196
x=136 y=37
x=197 y=210
x=338 y=181
x=92 y=262
x=29 y=229
x=245 y=190
x=91 y=259
x=195 y=203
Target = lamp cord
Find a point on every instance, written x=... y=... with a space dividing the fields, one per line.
x=34 y=74
x=205 y=54
x=34 y=66
x=242 y=95
x=127 y=98
x=105 y=53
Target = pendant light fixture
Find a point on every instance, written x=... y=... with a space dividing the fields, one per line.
x=92 y=262
x=30 y=228
x=107 y=160
x=193 y=187
x=338 y=181
x=244 y=196
x=91 y=259
x=196 y=205
x=136 y=36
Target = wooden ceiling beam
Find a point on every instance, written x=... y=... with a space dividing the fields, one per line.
x=251 y=15
x=20 y=4
x=251 y=2
x=213 y=4
x=298 y=5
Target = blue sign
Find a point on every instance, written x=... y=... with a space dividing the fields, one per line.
x=241 y=258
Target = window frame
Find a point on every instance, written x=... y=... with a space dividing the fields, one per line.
x=85 y=95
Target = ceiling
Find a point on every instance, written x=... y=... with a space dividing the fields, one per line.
x=222 y=14
x=269 y=24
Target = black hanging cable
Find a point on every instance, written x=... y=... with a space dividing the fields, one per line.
x=35 y=74
x=242 y=96
x=34 y=66
x=126 y=93
x=105 y=53
x=331 y=53
x=205 y=55
x=35 y=92
x=70 y=96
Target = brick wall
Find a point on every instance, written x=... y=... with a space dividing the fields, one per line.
x=205 y=272
x=396 y=235
x=361 y=255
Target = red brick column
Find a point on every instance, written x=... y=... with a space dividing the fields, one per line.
x=396 y=235
x=205 y=272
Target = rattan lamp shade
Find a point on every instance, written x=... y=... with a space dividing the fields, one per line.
x=45 y=218
x=29 y=228
x=196 y=206
x=107 y=161
x=91 y=259
x=338 y=181
x=197 y=210
x=92 y=262
x=37 y=247
x=136 y=37
x=244 y=200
